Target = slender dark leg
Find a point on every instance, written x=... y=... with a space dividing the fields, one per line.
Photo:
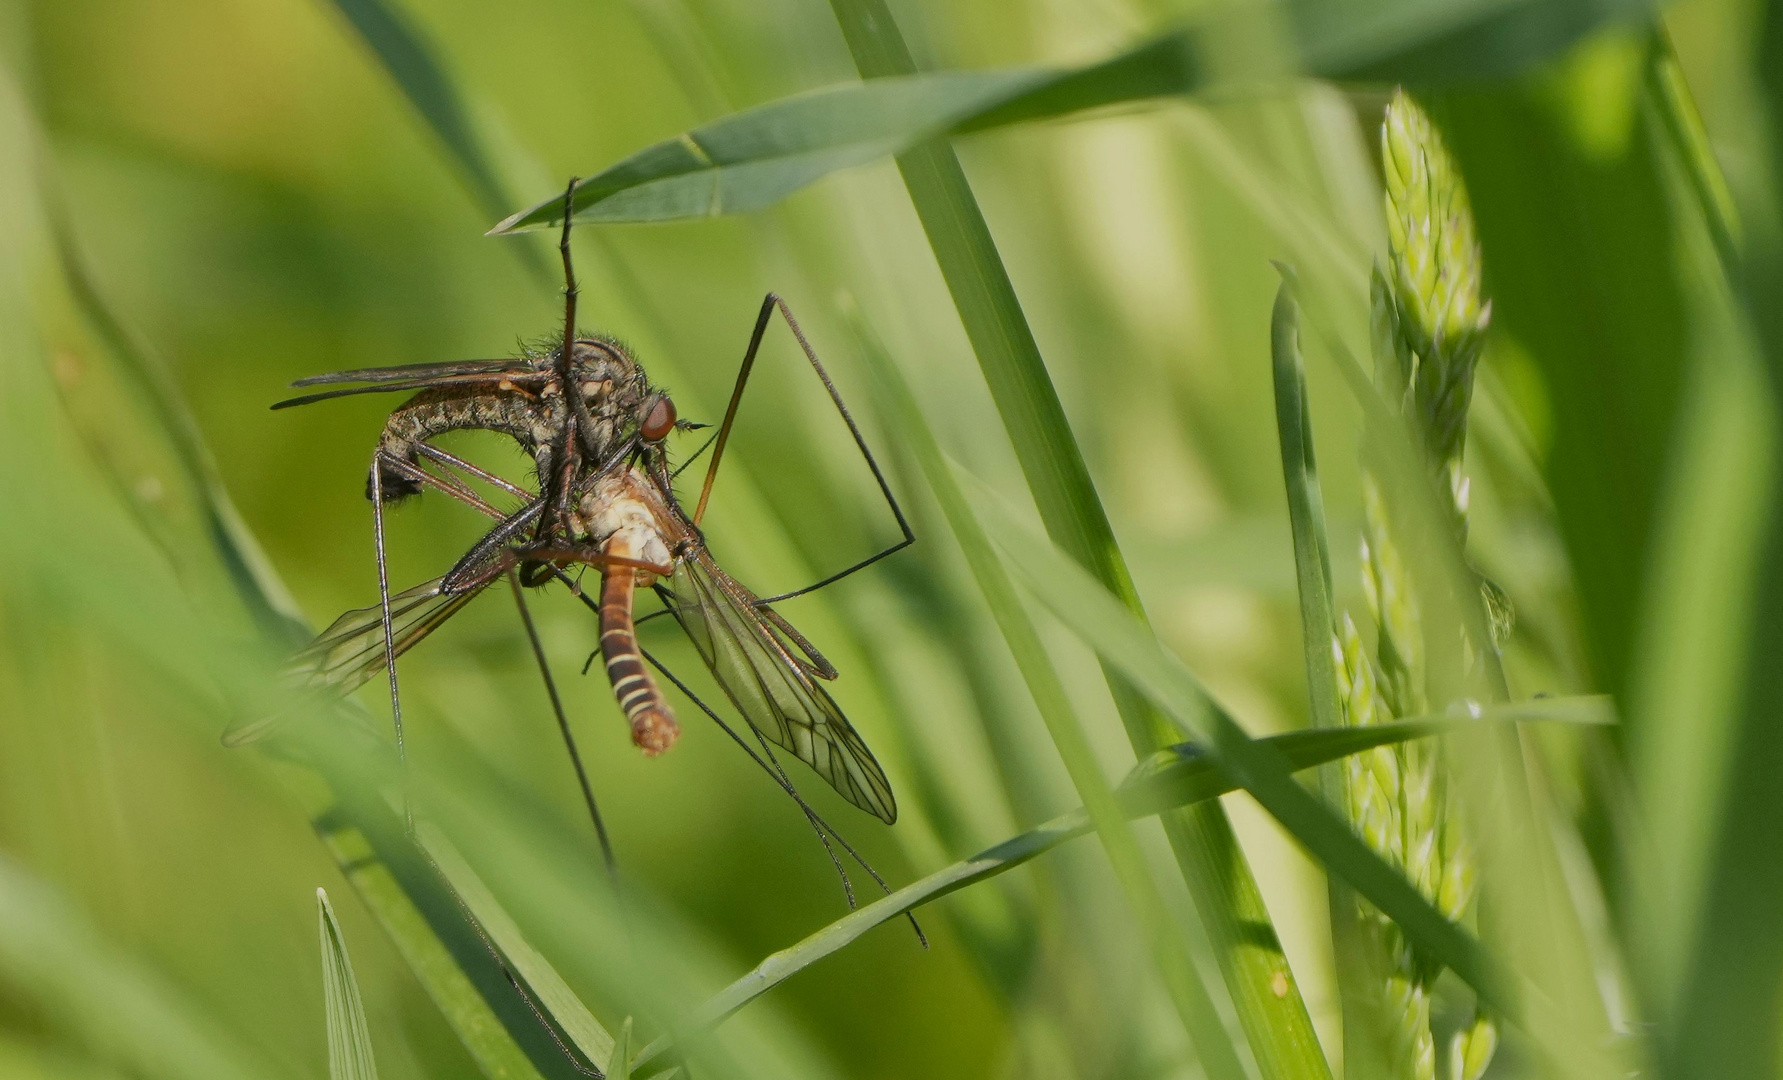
x=377 y=528
x=769 y=304
x=570 y=291
x=563 y=722
x=771 y=766
x=462 y=465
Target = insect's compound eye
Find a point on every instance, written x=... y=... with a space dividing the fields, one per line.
x=659 y=420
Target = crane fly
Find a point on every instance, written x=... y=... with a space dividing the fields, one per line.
x=597 y=432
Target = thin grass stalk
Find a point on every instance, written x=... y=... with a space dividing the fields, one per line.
x=1255 y=971
x=1195 y=1009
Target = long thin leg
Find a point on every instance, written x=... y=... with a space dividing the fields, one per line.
x=377 y=528
x=769 y=303
x=773 y=768
x=462 y=465
x=563 y=722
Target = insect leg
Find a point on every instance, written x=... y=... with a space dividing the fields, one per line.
x=377 y=527
x=455 y=462
x=770 y=304
x=771 y=766
x=563 y=723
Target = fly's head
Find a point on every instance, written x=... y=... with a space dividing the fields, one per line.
x=611 y=388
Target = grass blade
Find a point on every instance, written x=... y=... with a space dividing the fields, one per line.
x=619 y=1061
x=1734 y=945
x=755 y=157
x=1195 y=1009
x=1179 y=776
x=1104 y=624
x=1306 y=508
x=349 y=1040
x=403 y=53
x=1218 y=876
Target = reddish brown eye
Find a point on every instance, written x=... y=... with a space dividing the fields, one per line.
x=658 y=421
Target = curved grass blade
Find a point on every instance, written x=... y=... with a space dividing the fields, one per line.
x=753 y=158
x=1179 y=776
x=349 y=1040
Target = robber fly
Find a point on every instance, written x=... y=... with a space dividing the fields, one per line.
x=597 y=431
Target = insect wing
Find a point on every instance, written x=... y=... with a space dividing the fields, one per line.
x=351 y=650
x=770 y=687
x=410 y=372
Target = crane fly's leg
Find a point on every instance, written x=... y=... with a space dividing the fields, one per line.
x=455 y=462
x=771 y=765
x=770 y=304
x=445 y=485
x=377 y=526
x=563 y=722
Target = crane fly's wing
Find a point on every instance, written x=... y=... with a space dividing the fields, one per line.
x=351 y=650
x=771 y=687
x=410 y=372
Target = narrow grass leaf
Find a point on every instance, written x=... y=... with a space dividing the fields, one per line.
x=1172 y=778
x=408 y=59
x=1102 y=623
x=753 y=158
x=1194 y=1007
x=1736 y=947
x=1306 y=508
x=619 y=1061
x=349 y=1039
x=1214 y=868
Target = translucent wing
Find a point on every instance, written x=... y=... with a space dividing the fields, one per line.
x=351 y=650
x=772 y=687
x=411 y=372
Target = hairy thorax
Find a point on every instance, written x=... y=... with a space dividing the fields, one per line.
x=529 y=406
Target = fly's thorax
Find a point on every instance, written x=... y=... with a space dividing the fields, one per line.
x=626 y=517
x=613 y=389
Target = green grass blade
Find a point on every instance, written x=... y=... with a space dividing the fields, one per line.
x=1179 y=776
x=1306 y=508
x=90 y=994
x=1735 y=952
x=555 y=996
x=1218 y=876
x=408 y=59
x=1196 y=1010
x=505 y=1022
x=349 y=1040
x=619 y=1061
x=755 y=157
x=1095 y=616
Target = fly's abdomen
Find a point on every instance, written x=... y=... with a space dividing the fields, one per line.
x=653 y=726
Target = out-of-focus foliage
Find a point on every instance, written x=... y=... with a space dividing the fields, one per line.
x=201 y=200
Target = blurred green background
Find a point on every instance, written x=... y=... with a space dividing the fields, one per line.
x=255 y=200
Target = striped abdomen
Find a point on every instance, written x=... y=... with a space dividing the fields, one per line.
x=653 y=726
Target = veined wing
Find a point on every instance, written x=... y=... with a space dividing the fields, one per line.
x=351 y=650
x=408 y=372
x=770 y=686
